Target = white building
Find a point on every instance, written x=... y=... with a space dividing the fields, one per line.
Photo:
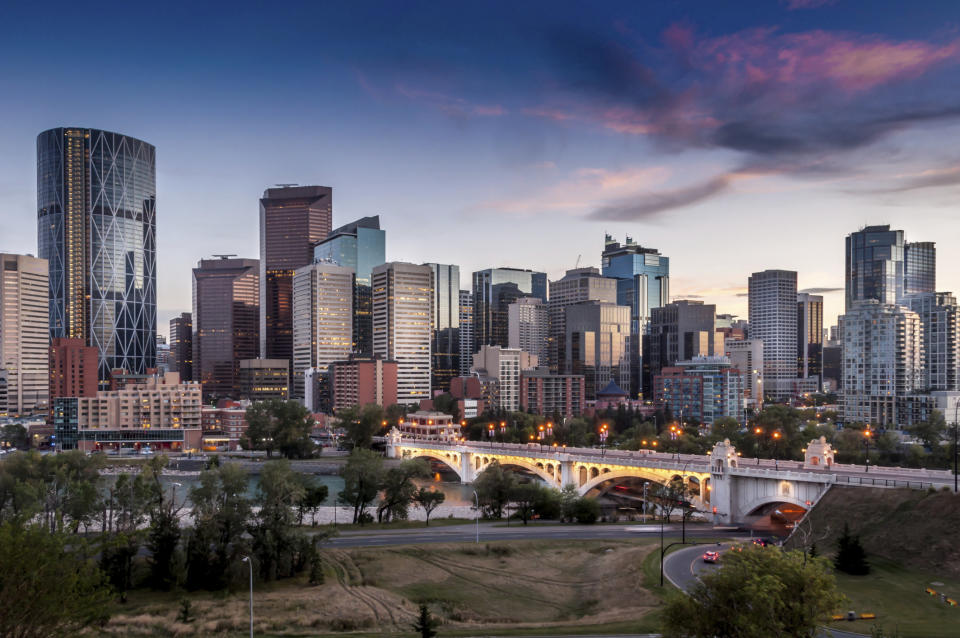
x=882 y=363
x=403 y=325
x=941 y=342
x=322 y=321
x=773 y=320
x=24 y=333
x=466 y=333
x=747 y=356
x=504 y=365
x=528 y=328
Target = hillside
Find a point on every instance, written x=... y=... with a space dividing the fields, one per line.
x=909 y=527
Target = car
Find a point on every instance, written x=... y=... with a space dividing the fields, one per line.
x=711 y=556
x=762 y=542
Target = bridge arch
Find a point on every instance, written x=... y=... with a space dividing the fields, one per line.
x=532 y=468
x=770 y=499
x=449 y=461
x=640 y=473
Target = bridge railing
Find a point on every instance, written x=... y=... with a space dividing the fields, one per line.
x=885 y=482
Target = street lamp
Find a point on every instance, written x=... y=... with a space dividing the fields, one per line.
x=776 y=449
x=540 y=435
x=249 y=562
x=603 y=438
x=866 y=449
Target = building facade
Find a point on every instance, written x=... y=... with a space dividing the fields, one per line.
x=73 y=369
x=445 y=346
x=773 y=320
x=466 y=332
x=226 y=321
x=528 y=327
x=24 y=334
x=360 y=382
x=920 y=267
x=223 y=426
x=874 y=265
x=747 y=357
x=292 y=220
x=322 y=324
x=402 y=325
x=97 y=228
x=181 y=346
x=679 y=331
x=548 y=394
x=704 y=389
x=941 y=342
x=598 y=344
x=503 y=365
x=361 y=246
x=494 y=289
x=264 y=379
x=810 y=337
x=577 y=285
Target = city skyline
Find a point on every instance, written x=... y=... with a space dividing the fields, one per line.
x=579 y=138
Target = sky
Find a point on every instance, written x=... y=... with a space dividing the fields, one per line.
x=732 y=136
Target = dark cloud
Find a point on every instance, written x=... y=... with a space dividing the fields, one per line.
x=648 y=205
x=820 y=291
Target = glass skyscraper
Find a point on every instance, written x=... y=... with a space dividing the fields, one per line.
x=359 y=245
x=445 y=345
x=96 y=225
x=494 y=289
x=874 y=265
x=920 y=267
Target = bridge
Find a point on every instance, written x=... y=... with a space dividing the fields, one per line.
x=721 y=483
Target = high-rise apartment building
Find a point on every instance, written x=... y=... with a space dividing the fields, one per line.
x=402 y=325
x=882 y=363
x=528 y=327
x=643 y=283
x=504 y=365
x=703 y=389
x=772 y=304
x=578 y=284
x=360 y=382
x=96 y=223
x=747 y=357
x=292 y=220
x=810 y=337
x=598 y=344
x=466 y=333
x=920 y=267
x=322 y=323
x=445 y=346
x=73 y=369
x=550 y=395
x=679 y=331
x=24 y=334
x=494 y=289
x=940 y=321
x=874 y=265
x=226 y=321
x=181 y=346
x=359 y=245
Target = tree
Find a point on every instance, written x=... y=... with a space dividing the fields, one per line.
x=586 y=510
x=568 y=500
x=493 y=487
x=851 y=557
x=361 y=424
x=163 y=538
x=362 y=475
x=281 y=549
x=429 y=500
x=282 y=426
x=531 y=499
x=15 y=436
x=426 y=624
x=447 y=404
x=314 y=496
x=757 y=593
x=399 y=490
x=47 y=587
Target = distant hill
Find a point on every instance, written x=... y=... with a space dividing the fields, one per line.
x=910 y=527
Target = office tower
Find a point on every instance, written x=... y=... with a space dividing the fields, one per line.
x=446 y=326
x=322 y=324
x=678 y=331
x=703 y=389
x=226 y=321
x=579 y=284
x=264 y=379
x=548 y=394
x=772 y=300
x=832 y=368
x=504 y=365
x=643 y=283
x=360 y=382
x=359 y=245
x=598 y=344
x=920 y=267
x=402 y=321
x=810 y=337
x=941 y=342
x=73 y=369
x=528 y=327
x=163 y=355
x=747 y=357
x=874 y=265
x=181 y=346
x=494 y=290
x=96 y=223
x=466 y=333
x=24 y=334
x=292 y=220
x=158 y=412
x=882 y=363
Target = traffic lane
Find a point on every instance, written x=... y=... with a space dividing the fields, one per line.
x=684 y=567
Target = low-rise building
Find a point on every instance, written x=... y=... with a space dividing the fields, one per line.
x=704 y=388
x=548 y=394
x=431 y=426
x=224 y=425
x=363 y=381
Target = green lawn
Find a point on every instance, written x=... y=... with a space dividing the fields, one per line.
x=896 y=595
x=373 y=527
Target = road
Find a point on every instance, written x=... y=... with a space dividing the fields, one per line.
x=490 y=532
x=684 y=567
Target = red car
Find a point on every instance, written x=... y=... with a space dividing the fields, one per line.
x=711 y=557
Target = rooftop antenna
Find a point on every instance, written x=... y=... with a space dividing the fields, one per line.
x=286 y=185
x=577 y=265
x=225 y=256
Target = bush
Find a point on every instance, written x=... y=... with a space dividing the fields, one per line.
x=586 y=511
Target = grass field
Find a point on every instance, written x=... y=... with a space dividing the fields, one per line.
x=896 y=595
x=408 y=524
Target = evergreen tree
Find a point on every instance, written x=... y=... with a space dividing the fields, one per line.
x=851 y=557
x=426 y=624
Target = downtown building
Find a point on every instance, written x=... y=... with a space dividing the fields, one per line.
x=226 y=321
x=577 y=285
x=502 y=366
x=360 y=382
x=292 y=220
x=643 y=283
x=445 y=344
x=560 y=396
x=598 y=344
x=264 y=380
x=466 y=333
x=703 y=389
x=494 y=289
x=528 y=327
x=73 y=369
x=809 y=342
x=96 y=227
x=24 y=335
x=772 y=300
x=746 y=356
x=940 y=321
x=679 y=331
x=403 y=325
x=181 y=346
x=322 y=327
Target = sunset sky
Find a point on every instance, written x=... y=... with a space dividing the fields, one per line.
x=732 y=136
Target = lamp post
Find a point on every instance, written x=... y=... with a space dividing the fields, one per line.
x=477 y=516
x=866 y=449
x=603 y=438
x=249 y=562
x=540 y=434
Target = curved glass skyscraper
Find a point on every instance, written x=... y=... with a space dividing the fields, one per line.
x=96 y=225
